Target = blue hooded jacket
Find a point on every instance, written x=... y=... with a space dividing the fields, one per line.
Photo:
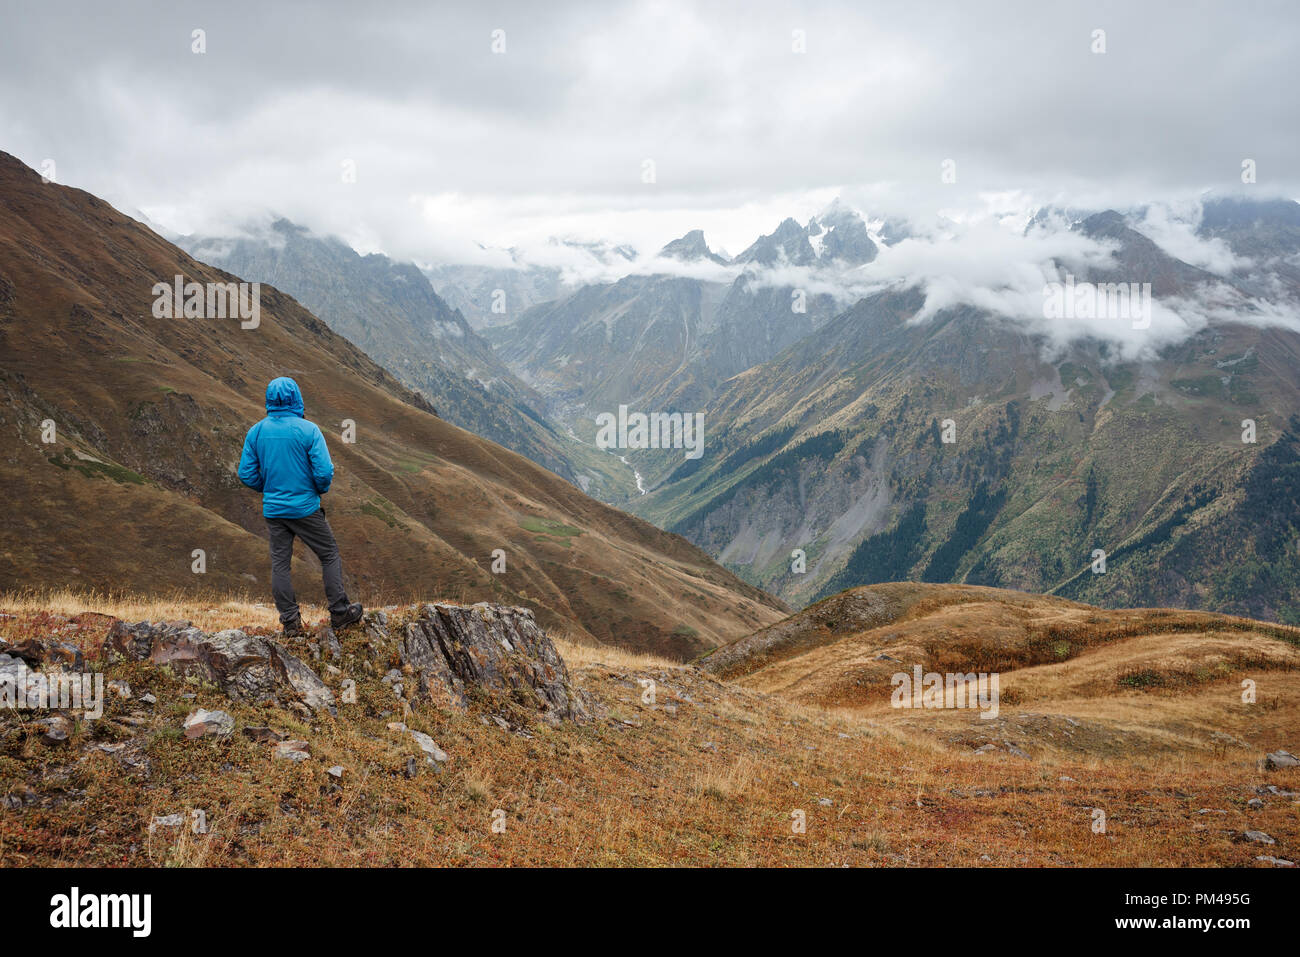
x=285 y=457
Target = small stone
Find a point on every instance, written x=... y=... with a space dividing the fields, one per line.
x=1259 y=837
x=986 y=748
x=264 y=735
x=825 y=802
x=1275 y=861
x=412 y=769
x=396 y=726
x=336 y=771
x=1281 y=759
x=57 y=728
x=1255 y=804
x=165 y=820
x=1065 y=777
x=292 y=751
x=329 y=643
x=431 y=751
x=148 y=698
x=202 y=722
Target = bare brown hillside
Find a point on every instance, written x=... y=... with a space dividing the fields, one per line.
x=149 y=416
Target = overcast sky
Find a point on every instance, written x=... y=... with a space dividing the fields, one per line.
x=454 y=144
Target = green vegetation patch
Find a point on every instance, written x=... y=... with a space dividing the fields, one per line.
x=550 y=527
x=92 y=468
x=384 y=510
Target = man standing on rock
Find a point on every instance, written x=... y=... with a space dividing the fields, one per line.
x=285 y=459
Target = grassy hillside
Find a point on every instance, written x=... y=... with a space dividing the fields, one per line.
x=149 y=416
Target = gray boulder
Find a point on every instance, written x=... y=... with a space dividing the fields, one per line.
x=451 y=654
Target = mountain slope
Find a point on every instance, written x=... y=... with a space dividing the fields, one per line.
x=149 y=414
x=392 y=313
x=665 y=342
x=836 y=447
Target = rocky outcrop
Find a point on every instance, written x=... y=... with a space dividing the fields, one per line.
x=493 y=651
x=452 y=656
x=246 y=667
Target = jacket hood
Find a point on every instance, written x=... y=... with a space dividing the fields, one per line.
x=283 y=395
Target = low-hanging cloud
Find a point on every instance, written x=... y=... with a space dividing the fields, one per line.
x=993 y=264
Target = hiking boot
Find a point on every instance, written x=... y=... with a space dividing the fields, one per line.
x=294 y=629
x=350 y=616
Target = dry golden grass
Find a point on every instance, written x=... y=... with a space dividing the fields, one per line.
x=577 y=654
x=725 y=783
x=711 y=773
x=211 y=613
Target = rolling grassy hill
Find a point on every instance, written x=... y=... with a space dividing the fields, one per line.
x=1074 y=679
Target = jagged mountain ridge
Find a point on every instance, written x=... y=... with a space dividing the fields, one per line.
x=664 y=342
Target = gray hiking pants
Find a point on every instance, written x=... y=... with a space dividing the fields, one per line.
x=315 y=531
